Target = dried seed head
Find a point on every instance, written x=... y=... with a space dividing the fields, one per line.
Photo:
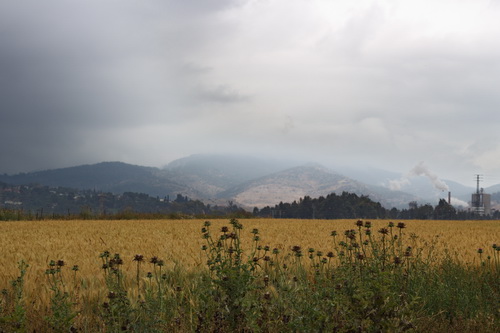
x=330 y=254
x=255 y=231
x=111 y=295
x=75 y=268
x=204 y=247
x=276 y=251
x=479 y=250
x=351 y=234
x=359 y=223
x=368 y=224
x=105 y=254
x=138 y=258
x=296 y=248
x=333 y=234
x=267 y=295
x=384 y=231
x=266 y=248
x=397 y=260
x=224 y=229
x=401 y=225
x=149 y=275
x=267 y=258
x=391 y=224
x=207 y=224
x=60 y=263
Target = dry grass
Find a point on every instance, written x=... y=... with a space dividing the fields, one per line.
x=79 y=242
x=178 y=241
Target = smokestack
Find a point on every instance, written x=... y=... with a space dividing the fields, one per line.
x=449 y=197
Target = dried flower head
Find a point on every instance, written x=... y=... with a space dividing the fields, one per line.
x=138 y=258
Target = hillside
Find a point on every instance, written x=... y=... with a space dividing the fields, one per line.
x=209 y=175
x=115 y=177
x=248 y=181
x=309 y=180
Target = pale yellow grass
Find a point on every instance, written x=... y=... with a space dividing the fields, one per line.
x=79 y=242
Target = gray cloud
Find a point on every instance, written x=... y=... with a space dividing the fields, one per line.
x=380 y=83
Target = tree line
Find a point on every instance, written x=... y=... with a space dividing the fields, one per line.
x=351 y=206
x=38 y=202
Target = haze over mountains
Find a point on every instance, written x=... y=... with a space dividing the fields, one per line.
x=247 y=181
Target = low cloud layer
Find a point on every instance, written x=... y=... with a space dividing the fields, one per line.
x=379 y=83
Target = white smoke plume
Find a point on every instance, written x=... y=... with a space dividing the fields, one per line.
x=418 y=170
x=458 y=203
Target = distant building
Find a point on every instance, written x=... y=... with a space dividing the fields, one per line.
x=481 y=203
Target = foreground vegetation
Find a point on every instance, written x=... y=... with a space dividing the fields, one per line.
x=361 y=276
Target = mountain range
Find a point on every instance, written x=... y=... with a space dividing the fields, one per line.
x=245 y=181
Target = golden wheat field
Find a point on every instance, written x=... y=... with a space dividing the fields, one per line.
x=79 y=242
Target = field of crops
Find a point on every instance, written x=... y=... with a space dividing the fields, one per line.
x=178 y=243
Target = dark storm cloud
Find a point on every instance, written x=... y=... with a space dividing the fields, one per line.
x=70 y=65
x=385 y=83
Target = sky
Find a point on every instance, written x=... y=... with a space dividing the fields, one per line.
x=388 y=84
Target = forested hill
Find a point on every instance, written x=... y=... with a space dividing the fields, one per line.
x=44 y=201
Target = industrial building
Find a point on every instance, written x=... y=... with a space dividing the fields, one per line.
x=480 y=201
